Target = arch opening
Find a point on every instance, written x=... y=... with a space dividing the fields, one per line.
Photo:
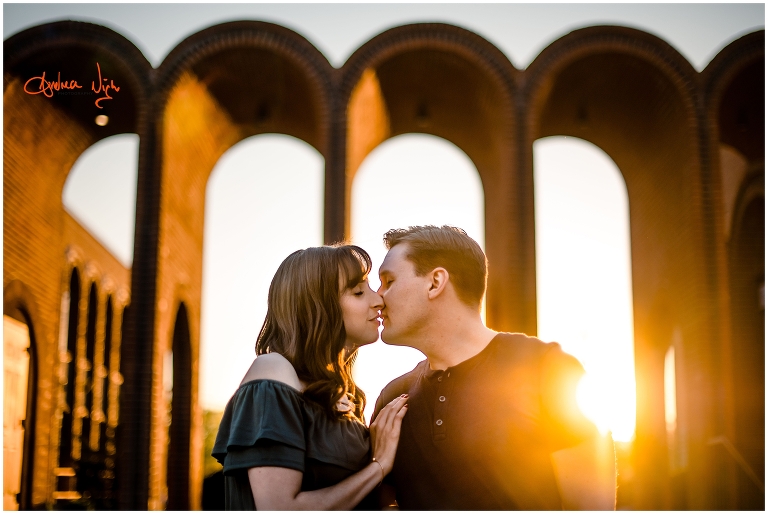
x=21 y=394
x=90 y=375
x=583 y=274
x=105 y=372
x=390 y=191
x=177 y=374
x=615 y=99
x=100 y=193
x=65 y=439
x=264 y=200
x=18 y=376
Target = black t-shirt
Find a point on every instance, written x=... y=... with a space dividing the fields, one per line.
x=479 y=435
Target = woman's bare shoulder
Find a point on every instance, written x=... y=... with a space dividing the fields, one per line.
x=273 y=366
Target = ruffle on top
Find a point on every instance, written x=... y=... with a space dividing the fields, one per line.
x=269 y=423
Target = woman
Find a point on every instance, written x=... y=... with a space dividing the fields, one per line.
x=292 y=437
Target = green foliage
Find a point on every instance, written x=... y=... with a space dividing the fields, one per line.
x=211 y=420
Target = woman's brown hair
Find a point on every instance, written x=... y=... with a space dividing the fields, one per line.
x=305 y=323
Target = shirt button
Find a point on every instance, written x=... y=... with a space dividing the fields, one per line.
x=442 y=398
x=439 y=379
x=439 y=422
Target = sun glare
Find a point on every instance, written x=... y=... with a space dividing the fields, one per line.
x=583 y=274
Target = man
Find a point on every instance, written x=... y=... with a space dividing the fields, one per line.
x=492 y=422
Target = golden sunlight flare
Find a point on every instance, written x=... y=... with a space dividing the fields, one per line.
x=609 y=402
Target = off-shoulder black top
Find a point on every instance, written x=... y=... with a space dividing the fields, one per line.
x=269 y=423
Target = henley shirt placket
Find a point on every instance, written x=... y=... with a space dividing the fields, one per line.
x=443 y=383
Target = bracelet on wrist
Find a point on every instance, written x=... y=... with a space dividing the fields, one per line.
x=382 y=469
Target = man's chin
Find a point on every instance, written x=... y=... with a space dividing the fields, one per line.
x=390 y=339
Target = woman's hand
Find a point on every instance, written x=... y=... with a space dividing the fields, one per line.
x=385 y=432
x=276 y=488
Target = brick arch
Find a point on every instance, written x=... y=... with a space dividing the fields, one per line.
x=636 y=97
x=446 y=81
x=457 y=53
x=18 y=300
x=216 y=88
x=73 y=48
x=588 y=41
x=735 y=74
x=228 y=61
x=19 y=303
x=733 y=85
x=603 y=58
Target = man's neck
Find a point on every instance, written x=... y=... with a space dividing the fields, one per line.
x=457 y=340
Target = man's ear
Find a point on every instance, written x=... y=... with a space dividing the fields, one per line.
x=438 y=282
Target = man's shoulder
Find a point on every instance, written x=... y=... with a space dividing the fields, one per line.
x=516 y=346
x=400 y=385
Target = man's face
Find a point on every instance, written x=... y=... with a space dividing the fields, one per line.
x=405 y=297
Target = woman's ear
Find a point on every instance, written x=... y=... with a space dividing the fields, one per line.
x=438 y=282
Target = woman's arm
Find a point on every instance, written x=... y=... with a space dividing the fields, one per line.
x=276 y=488
x=279 y=489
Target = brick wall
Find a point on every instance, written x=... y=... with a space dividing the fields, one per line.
x=196 y=133
x=42 y=243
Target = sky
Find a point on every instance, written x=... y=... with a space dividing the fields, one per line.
x=521 y=31
x=256 y=180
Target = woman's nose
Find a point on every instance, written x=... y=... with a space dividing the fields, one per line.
x=377 y=302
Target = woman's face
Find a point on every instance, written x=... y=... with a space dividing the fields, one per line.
x=360 y=306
